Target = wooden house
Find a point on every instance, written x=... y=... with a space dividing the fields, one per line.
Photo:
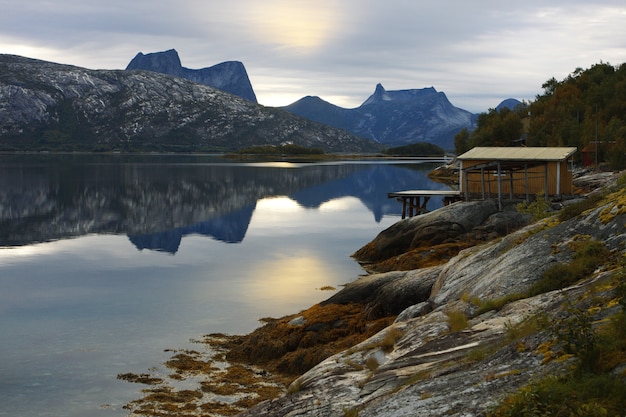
x=516 y=172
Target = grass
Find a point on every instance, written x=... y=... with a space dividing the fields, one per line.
x=457 y=321
x=390 y=339
x=496 y=303
x=351 y=412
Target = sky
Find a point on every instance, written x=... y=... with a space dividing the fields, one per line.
x=478 y=52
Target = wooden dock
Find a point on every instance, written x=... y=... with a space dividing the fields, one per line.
x=414 y=201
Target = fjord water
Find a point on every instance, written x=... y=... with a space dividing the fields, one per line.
x=107 y=261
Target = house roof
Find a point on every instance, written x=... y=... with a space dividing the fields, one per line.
x=501 y=153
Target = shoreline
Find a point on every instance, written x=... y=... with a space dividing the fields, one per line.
x=266 y=363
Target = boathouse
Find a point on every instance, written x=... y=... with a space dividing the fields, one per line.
x=516 y=172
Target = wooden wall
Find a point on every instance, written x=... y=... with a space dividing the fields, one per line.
x=556 y=170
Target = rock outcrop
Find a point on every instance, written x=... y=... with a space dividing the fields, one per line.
x=428 y=364
x=229 y=76
x=454 y=227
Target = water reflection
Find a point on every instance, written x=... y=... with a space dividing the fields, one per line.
x=157 y=201
x=88 y=293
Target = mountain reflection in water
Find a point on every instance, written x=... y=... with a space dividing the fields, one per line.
x=158 y=200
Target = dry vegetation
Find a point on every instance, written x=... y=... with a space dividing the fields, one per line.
x=236 y=372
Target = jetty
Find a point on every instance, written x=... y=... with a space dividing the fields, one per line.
x=414 y=201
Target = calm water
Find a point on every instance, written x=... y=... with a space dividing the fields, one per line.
x=106 y=261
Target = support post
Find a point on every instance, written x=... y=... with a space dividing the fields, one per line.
x=499 y=187
x=545 y=173
x=558 y=178
x=527 y=185
x=482 y=180
x=461 y=185
x=466 y=188
x=403 y=207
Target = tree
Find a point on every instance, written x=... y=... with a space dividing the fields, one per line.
x=461 y=141
x=499 y=128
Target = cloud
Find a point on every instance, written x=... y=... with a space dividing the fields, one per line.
x=478 y=53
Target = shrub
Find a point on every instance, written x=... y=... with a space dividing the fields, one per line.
x=457 y=321
x=593 y=388
x=390 y=339
x=372 y=363
x=575 y=334
x=538 y=209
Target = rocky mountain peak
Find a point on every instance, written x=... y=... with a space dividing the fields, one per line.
x=400 y=96
x=167 y=62
x=229 y=76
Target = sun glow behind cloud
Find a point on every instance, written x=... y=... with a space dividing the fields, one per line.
x=304 y=25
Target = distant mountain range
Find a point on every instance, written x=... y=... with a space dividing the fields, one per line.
x=156 y=104
x=49 y=106
x=393 y=117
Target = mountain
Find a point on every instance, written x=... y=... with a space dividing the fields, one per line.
x=393 y=118
x=49 y=106
x=509 y=103
x=230 y=76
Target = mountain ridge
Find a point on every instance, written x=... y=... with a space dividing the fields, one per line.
x=57 y=107
x=393 y=118
x=229 y=76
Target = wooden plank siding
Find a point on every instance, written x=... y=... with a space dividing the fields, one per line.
x=503 y=172
x=524 y=178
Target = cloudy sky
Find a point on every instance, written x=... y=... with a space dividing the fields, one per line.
x=477 y=52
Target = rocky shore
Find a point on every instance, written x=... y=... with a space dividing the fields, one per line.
x=457 y=315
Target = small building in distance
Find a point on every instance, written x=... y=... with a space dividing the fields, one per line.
x=516 y=172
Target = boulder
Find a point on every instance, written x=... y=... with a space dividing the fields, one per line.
x=433 y=228
x=512 y=264
x=389 y=293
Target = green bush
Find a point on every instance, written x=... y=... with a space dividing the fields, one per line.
x=538 y=209
x=596 y=386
